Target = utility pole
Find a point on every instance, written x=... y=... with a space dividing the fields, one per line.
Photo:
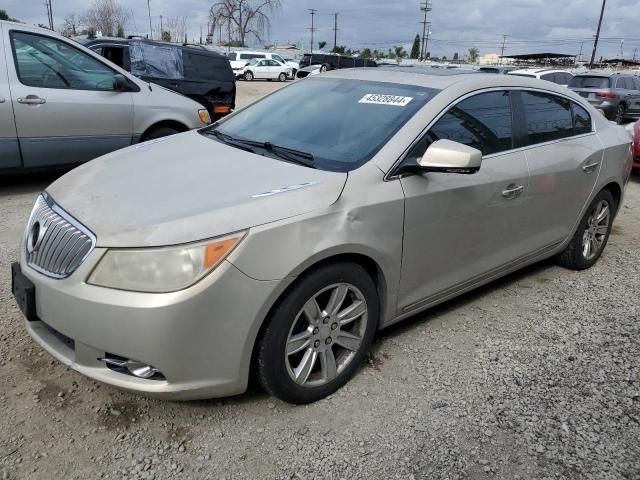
x=635 y=51
x=51 y=14
x=161 y=29
x=312 y=11
x=504 y=41
x=200 y=34
x=150 y=27
x=335 y=31
x=595 y=42
x=426 y=8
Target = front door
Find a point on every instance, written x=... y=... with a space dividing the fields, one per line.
x=460 y=229
x=9 y=150
x=66 y=109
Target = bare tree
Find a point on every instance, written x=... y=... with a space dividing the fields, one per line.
x=106 y=16
x=71 y=24
x=176 y=27
x=244 y=18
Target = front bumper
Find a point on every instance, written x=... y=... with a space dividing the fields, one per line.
x=200 y=339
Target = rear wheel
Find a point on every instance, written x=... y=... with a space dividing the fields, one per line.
x=620 y=113
x=282 y=77
x=248 y=76
x=592 y=235
x=319 y=334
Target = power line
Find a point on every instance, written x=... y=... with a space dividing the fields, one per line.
x=335 y=31
x=426 y=26
x=312 y=11
x=595 y=42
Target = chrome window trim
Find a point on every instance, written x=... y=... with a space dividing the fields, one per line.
x=388 y=176
x=72 y=221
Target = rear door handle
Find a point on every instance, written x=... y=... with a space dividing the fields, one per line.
x=31 y=100
x=590 y=168
x=513 y=191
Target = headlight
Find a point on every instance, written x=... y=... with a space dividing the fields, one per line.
x=164 y=269
x=204 y=116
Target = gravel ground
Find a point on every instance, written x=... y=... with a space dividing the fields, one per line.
x=533 y=377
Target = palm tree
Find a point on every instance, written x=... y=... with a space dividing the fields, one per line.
x=474 y=54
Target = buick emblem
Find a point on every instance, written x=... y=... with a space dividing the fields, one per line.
x=34 y=239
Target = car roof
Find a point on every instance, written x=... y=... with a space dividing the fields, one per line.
x=441 y=79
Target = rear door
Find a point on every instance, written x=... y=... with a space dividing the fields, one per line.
x=9 y=149
x=66 y=109
x=564 y=156
x=460 y=229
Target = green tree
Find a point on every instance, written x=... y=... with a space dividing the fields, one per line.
x=444 y=57
x=120 y=32
x=400 y=52
x=474 y=54
x=4 y=15
x=366 y=53
x=415 y=49
x=455 y=56
x=339 y=49
x=321 y=45
x=166 y=36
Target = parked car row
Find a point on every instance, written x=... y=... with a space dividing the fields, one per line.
x=616 y=95
x=242 y=59
x=63 y=104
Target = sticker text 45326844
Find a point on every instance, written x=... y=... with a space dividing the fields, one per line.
x=382 y=99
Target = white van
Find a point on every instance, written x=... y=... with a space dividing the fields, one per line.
x=62 y=104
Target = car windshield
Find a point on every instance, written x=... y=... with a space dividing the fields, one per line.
x=338 y=123
x=589 y=82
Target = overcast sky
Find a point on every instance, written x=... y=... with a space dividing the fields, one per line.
x=457 y=25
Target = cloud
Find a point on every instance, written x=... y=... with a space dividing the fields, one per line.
x=457 y=25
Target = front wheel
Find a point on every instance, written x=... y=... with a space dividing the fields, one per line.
x=282 y=77
x=248 y=76
x=319 y=334
x=592 y=235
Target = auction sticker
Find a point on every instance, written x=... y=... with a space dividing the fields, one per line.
x=381 y=99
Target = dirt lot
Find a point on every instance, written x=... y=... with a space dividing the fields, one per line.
x=533 y=377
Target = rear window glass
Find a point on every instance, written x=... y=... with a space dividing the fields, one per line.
x=589 y=82
x=206 y=67
x=548 y=117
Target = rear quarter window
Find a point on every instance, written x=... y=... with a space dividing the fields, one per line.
x=206 y=67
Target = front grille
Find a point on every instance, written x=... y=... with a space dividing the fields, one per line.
x=56 y=244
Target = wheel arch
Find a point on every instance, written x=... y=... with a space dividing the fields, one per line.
x=175 y=124
x=616 y=191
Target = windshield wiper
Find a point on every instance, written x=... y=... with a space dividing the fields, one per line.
x=229 y=140
x=288 y=154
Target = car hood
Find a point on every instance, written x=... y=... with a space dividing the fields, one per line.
x=185 y=188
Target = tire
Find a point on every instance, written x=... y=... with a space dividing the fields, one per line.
x=248 y=76
x=620 y=114
x=282 y=77
x=577 y=256
x=318 y=344
x=324 y=67
x=159 y=132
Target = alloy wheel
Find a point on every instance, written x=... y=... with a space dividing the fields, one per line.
x=326 y=335
x=596 y=230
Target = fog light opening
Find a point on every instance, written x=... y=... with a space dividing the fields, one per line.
x=132 y=367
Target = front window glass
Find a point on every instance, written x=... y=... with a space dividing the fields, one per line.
x=50 y=63
x=346 y=124
x=483 y=122
x=278 y=58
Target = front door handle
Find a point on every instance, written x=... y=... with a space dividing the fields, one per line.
x=513 y=191
x=31 y=100
x=590 y=168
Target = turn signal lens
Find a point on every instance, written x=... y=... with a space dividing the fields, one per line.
x=162 y=270
x=204 y=116
x=221 y=109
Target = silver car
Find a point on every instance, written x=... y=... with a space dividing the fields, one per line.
x=279 y=240
x=62 y=104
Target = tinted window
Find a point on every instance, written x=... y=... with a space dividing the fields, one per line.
x=249 y=56
x=489 y=70
x=549 y=77
x=581 y=120
x=115 y=55
x=522 y=75
x=50 y=63
x=207 y=67
x=482 y=122
x=548 y=117
x=343 y=131
x=636 y=83
x=232 y=56
x=564 y=78
x=278 y=58
x=589 y=82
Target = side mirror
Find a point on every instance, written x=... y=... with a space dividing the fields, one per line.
x=120 y=83
x=446 y=156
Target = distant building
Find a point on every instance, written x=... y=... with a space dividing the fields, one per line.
x=493 y=59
